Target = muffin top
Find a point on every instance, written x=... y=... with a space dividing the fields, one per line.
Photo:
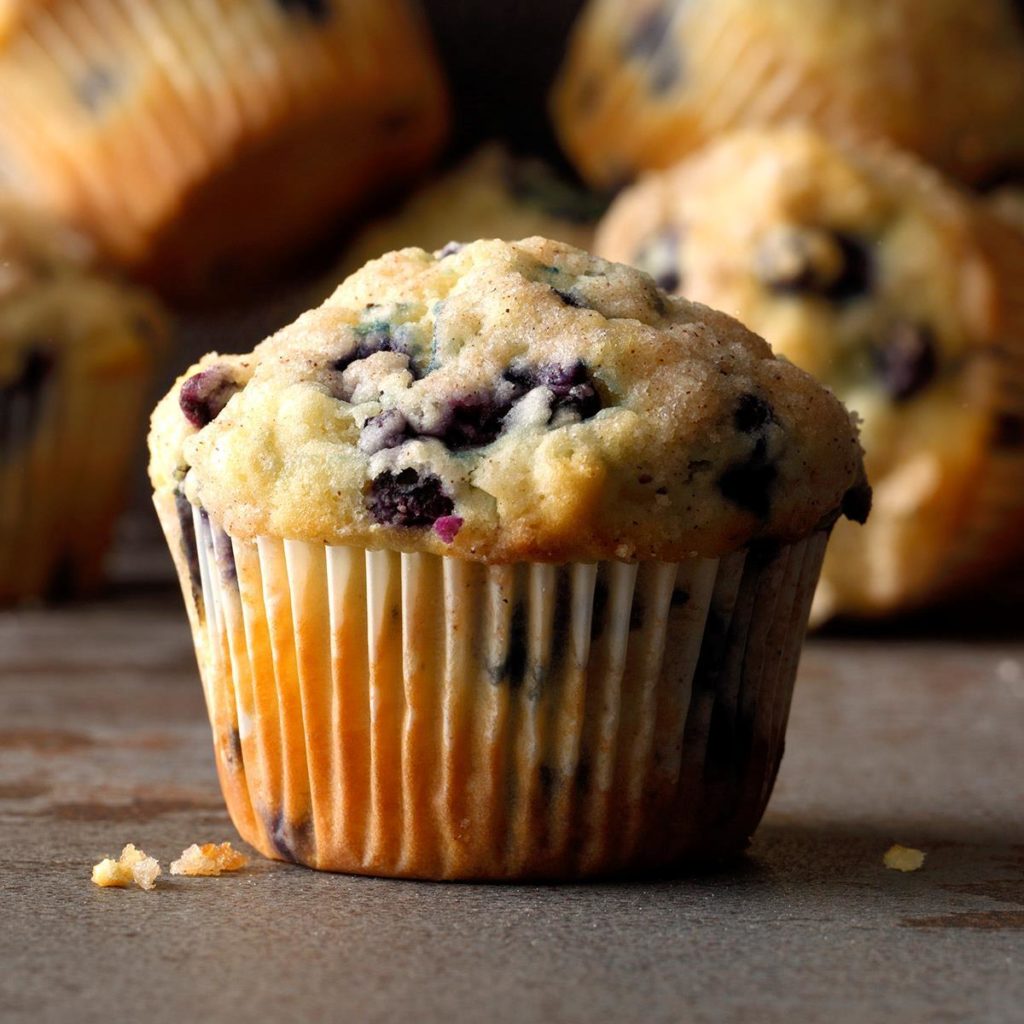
x=507 y=401
x=491 y=194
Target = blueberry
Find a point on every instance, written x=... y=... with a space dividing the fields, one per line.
x=95 y=87
x=512 y=669
x=1008 y=431
x=658 y=256
x=752 y=414
x=648 y=33
x=373 y=338
x=389 y=429
x=450 y=249
x=646 y=43
x=570 y=299
x=534 y=183
x=831 y=264
x=203 y=396
x=749 y=483
x=570 y=385
x=473 y=421
x=318 y=11
x=857 y=503
x=906 y=360
x=406 y=499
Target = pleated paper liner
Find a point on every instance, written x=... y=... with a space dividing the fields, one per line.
x=716 y=67
x=172 y=130
x=65 y=450
x=412 y=715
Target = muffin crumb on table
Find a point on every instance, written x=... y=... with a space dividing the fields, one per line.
x=903 y=858
x=134 y=866
x=210 y=859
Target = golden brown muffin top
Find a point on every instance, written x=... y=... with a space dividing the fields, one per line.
x=510 y=401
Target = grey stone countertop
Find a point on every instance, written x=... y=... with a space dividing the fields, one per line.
x=103 y=740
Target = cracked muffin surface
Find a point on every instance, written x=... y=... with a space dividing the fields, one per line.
x=510 y=401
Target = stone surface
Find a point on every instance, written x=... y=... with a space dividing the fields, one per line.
x=103 y=740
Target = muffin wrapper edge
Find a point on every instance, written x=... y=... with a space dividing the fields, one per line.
x=414 y=715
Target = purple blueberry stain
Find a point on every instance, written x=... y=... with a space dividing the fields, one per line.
x=189 y=547
x=906 y=360
x=205 y=394
x=570 y=298
x=447 y=527
x=450 y=249
x=407 y=499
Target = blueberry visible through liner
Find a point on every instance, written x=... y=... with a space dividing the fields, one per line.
x=906 y=360
x=95 y=87
x=203 y=396
x=316 y=10
x=189 y=548
x=407 y=499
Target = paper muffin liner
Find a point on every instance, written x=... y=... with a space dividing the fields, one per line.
x=166 y=127
x=66 y=446
x=731 y=74
x=415 y=715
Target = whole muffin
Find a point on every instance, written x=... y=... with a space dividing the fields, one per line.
x=491 y=194
x=76 y=357
x=899 y=292
x=498 y=566
x=199 y=143
x=646 y=82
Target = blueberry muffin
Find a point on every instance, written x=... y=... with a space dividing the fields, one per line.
x=498 y=566
x=76 y=354
x=201 y=142
x=491 y=194
x=899 y=292
x=647 y=82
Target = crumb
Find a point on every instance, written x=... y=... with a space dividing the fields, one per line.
x=903 y=858
x=132 y=866
x=208 y=859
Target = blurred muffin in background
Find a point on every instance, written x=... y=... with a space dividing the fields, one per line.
x=491 y=194
x=76 y=355
x=645 y=82
x=200 y=143
x=897 y=290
